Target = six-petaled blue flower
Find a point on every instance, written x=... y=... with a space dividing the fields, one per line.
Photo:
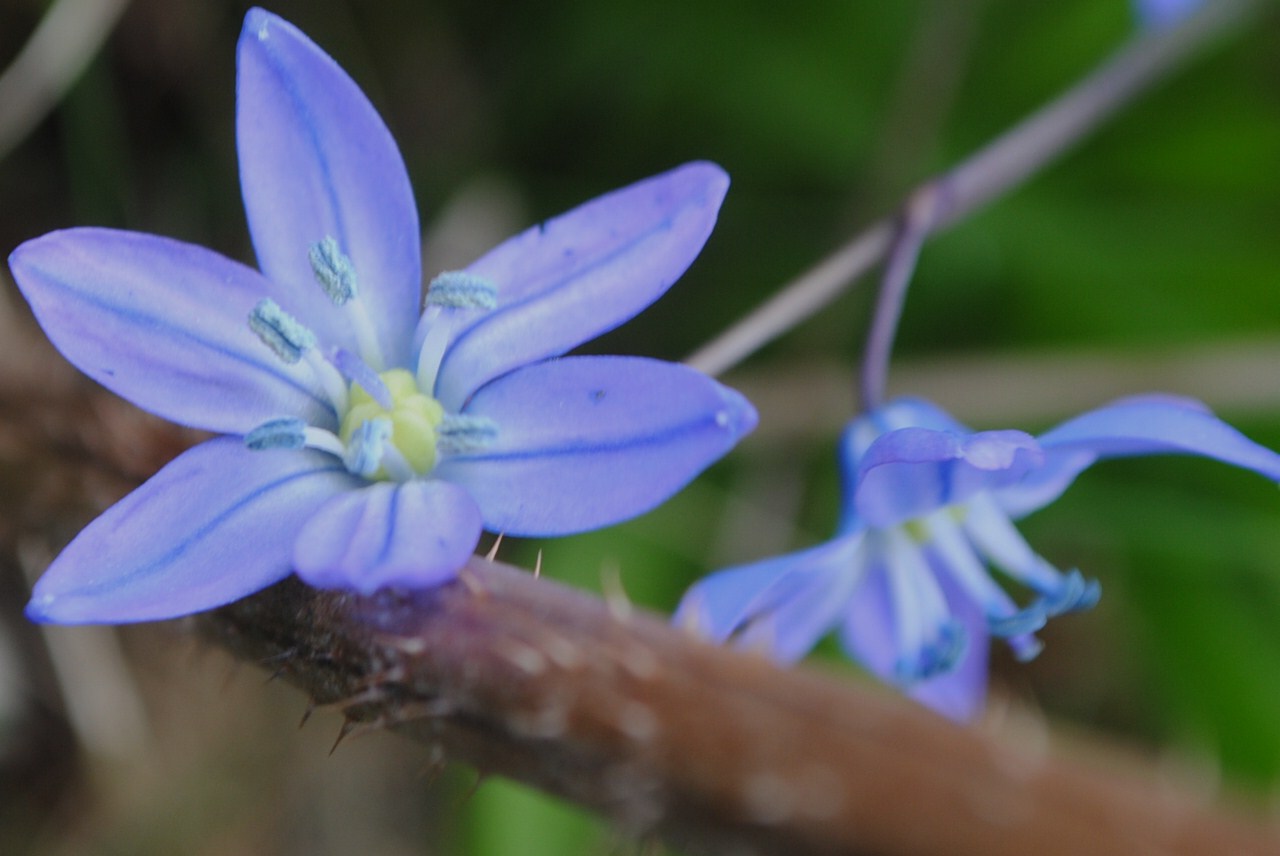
x=927 y=511
x=369 y=442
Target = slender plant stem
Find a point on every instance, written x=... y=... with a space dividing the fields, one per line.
x=993 y=170
x=917 y=218
x=67 y=38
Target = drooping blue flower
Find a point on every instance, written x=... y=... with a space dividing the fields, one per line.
x=369 y=439
x=927 y=516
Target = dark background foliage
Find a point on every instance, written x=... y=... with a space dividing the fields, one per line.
x=1150 y=251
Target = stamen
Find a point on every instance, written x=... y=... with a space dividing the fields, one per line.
x=366 y=334
x=1004 y=619
x=289 y=432
x=1019 y=623
x=324 y=441
x=1025 y=648
x=447 y=295
x=356 y=371
x=924 y=632
x=396 y=464
x=333 y=270
x=999 y=541
x=945 y=536
x=327 y=373
x=439 y=325
x=1074 y=594
x=943 y=652
x=457 y=289
x=286 y=433
x=280 y=331
x=458 y=434
x=337 y=276
x=367 y=446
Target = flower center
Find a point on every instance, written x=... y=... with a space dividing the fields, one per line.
x=414 y=417
x=388 y=427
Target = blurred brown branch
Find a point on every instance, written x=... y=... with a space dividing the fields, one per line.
x=711 y=749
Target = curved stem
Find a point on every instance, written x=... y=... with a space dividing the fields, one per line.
x=996 y=168
x=68 y=37
x=918 y=218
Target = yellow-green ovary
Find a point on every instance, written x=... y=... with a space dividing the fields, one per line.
x=413 y=414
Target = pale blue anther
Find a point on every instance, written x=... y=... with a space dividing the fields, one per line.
x=936 y=658
x=366 y=447
x=280 y=331
x=334 y=271
x=457 y=289
x=286 y=433
x=458 y=433
x=357 y=371
x=1075 y=594
x=1025 y=648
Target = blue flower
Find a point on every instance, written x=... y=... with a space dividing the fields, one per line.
x=370 y=440
x=907 y=580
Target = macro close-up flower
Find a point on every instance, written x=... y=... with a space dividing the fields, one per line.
x=927 y=511
x=367 y=438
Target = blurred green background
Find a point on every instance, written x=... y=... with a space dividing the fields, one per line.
x=1149 y=255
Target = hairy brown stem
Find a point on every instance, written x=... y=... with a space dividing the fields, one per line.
x=711 y=749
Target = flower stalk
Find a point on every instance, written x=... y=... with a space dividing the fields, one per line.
x=992 y=171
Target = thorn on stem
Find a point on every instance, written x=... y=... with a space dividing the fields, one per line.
x=348 y=726
x=615 y=596
x=435 y=766
x=278 y=663
x=473 y=583
x=492 y=555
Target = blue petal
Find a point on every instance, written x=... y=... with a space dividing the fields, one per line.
x=782 y=605
x=316 y=161
x=214 y=525
x=912 y=471
x=1042 y=486
x=416 y=534
x=165 y=325
x=584 y=442
x=866 y=429
x=576 y=276
x=1148 y=425
x=868 y=633
x=798 y=622
x=899 y=413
